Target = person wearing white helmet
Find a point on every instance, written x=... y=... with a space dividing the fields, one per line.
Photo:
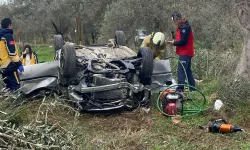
x=155 y=41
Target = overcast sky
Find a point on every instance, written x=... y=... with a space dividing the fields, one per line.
x=1 y=1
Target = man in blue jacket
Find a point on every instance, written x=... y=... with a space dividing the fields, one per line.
x=184 y=43
x=9 y=58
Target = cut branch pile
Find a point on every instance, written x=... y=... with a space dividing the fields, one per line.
x=43 y=136
x=36 y=135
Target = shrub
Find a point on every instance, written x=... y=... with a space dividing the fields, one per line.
x=234 y=90
x=214 y=63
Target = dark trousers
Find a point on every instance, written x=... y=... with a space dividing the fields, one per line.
x=186 y=64
x=10 y=77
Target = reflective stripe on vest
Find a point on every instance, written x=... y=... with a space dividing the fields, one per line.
x=4 y=55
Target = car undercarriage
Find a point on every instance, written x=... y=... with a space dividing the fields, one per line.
x=99 y=77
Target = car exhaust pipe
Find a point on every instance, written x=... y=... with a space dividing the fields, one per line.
x=106 y=109
x=75 y=96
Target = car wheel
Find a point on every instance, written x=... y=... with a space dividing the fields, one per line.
x=67 y=62
x=58 y=42
x=120 y=38
x=146 y=68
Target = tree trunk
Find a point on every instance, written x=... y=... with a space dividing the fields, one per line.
x=243 y=7
x=93 y=37
x=78 y=30
x=243 y=67
x=35 y=38
x=44 y=38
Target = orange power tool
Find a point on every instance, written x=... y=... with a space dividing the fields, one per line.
x=221 y=126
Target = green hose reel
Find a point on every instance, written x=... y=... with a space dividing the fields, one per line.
x=192 y=102
x=193 y=105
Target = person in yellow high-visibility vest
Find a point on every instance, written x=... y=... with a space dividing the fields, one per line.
x=28 y=57
x=9 y=60
x=157 y=43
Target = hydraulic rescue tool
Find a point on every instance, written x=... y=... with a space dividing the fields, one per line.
x=221 y=126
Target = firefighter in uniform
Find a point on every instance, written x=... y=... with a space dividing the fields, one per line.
x=9 y=58
x=28 y=57
x=155 y=41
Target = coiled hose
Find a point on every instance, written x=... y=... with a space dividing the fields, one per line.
x=192 y=112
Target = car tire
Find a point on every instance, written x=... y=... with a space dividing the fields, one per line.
x=58 y=42
x=146 y=68
x=120 y=38
x=67 y=62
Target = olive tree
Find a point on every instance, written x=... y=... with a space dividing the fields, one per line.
x=42 y=18
x=213 y=22
x=243 y=7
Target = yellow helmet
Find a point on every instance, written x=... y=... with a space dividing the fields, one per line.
x=158 y=39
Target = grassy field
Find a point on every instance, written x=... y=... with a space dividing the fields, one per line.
x=136 y=130
x=44 y=52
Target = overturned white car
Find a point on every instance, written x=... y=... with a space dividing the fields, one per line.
x=99 y=77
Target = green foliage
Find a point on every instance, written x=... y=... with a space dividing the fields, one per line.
x=214 y=63
x=209 y=64
x=26 y=16
x=213 y=22
x=154 y=16
x=234 y=90
x=134 y=14
x=245 y=146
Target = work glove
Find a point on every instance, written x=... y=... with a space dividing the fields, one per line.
x=2 y=71
x=157 y=58
x=21 y=69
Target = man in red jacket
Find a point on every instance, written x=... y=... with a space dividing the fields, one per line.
x=184 y=43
